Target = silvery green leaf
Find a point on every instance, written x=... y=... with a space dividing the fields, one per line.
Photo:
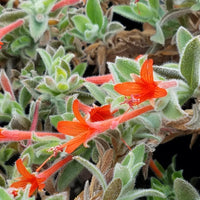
x=190 y=63
x=93 y=169
x=182 y=38
x=184 y=190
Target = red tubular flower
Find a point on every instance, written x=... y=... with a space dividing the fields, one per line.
x=99 y=79
x=16 y=135
x=36 y=180
x=9 y=28
x=83 y=131
x=144 y=87
x=63 y=3
x=97 y=113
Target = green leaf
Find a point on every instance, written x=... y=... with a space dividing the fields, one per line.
x=4 y=195
x=184 y=190
x=38 y=25
x=94 y=170
x=196 y=7
x=142 y=193
x=96 y=92
x=80 y=22
x=60 y=74
x=24 y=97
x=127 y=12
x=43 y=88
x=46 y=58
x=118 y=78
x=80 y=69
x=158 y=37
x=172 y=110
x=123 y=173
x=48 y=5
x=91 y=33
x=113 y=190
x=61 y=196
x=182 y=38
x=152 y=121
x=8 y=17
x=143 y=10
x=59 y=53
x=94 y=12
x=138 y=152
x=190 y=63
x=71 y=171
x=20 y=43
x=126 y=67
x=54 y=119
x=27 y=6
x=155 y=4
x=2 y=181
x=62 y=86
x=168 y=73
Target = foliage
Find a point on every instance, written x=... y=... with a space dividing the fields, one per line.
x=109 y=123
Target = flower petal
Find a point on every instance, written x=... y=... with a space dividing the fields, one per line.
x=147 y=71
x=159 y=92
x=34 y=186
x=74 y=143
x=100 y=113
x=76 y=111
x=22 y=169
x=20 y=184
x=72 y=128
x=129 y=88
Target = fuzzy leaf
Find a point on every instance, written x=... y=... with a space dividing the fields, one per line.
x=96 y=92
x=59 y=53
x=46 y=58
x=70 y=172
x=142 y=193
x=38 y=25
x=123 y=173
x=155 y=4
x=4 y=195
x=8 y=17
x=80 y=22
x=190 y=63
x=118 y=78
x=2 y=181
x=80 y=69
x=94 y=12
x=61 y=196
x=184 y=190
x=93 y=169
x=173 y=110
x=113 y=190
x=126 y=11
x=158 y=37
x=143 y=10
x=20 y=43
x=127 y=66
x=182 y=38
x=24 y=97
x=168 y=73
